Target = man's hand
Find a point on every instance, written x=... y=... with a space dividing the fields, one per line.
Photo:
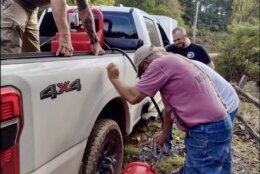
x=65 y=46
x=86 y=17
x=160 y=138
x=97 y=49
x=129 y=93
x=112 y=71
x=60 y=16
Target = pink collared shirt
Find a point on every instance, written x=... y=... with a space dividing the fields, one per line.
x=184 y=87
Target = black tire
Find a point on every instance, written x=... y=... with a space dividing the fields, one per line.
x=104 y=151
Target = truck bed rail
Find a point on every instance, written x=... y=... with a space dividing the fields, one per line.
x=33 y=55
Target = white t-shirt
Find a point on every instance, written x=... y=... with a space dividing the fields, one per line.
x=223 y=87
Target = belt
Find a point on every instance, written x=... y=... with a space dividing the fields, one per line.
x=213 y=125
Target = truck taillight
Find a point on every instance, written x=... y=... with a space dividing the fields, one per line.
x=11 y=121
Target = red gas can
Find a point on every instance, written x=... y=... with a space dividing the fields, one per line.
x=79 y=38
x=139 y=168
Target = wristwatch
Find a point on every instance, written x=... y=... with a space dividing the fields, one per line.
x=94 y=40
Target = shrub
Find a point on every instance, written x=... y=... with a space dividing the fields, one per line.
x=214 y=28
x=240 y=54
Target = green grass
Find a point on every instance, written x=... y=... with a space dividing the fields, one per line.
x=167 y=164
x=178 y=135
x=131 y=150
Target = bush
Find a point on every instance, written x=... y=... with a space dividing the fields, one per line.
x=211 y=41
x=240 y=54
x=214 y=28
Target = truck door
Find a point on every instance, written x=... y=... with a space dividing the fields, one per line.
x=153 y=32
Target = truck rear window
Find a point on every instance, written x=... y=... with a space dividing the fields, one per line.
x=116 y=25
x=119 y=30
x=119 y=25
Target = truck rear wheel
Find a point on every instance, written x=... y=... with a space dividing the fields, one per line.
x=104 y=151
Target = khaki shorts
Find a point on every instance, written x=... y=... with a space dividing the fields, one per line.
x=19 y=30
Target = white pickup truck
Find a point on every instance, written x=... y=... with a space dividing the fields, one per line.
x=61 y=115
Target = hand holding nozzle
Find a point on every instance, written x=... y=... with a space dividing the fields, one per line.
x=157 y=153
x=160 y=138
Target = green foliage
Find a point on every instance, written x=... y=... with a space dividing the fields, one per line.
x=146 y=5
x=212 y=41
x=102 y=2
x=130 y=150
x=189 y=11
x=179 y=133
x=94 y=2
x=241 y=53
x=213 y=14
x=171 y=8
x=214 y=28
x=166 y=165
x=245 y=11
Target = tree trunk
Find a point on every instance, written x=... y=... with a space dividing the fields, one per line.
x=240 y=17
x=249 y=128
x=248 y=96
x=252 y=11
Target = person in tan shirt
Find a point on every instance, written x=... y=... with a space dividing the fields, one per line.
x=20 y=33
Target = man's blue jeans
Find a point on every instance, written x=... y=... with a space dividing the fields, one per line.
x=168 y=143
x=208 y=148
x=233 y=115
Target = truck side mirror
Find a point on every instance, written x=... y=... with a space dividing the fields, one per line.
x=140 y=43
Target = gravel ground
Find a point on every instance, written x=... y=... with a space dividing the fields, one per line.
x=139 y=147
x=246 y=159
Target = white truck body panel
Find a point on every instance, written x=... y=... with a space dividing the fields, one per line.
x=56 y=130
x=54 y=126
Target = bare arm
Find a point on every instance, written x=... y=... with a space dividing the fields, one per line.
x=87 y=19
x=60 y=16
x=129 y=93
x=167 y=125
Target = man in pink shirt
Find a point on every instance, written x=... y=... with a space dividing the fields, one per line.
x=190 y=101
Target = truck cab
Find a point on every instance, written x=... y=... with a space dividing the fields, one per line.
x=124 y=27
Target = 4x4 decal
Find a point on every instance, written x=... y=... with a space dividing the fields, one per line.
x=53 y=90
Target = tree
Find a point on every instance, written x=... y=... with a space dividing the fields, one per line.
x=94 y=2
x=241 y=53
x=146 y=5
x=245 y=10
x=171 y=8
x=102 y=2
x=189 y=11
x=211 y=13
